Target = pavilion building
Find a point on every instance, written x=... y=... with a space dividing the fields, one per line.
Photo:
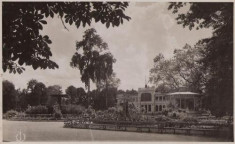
x=150 y=101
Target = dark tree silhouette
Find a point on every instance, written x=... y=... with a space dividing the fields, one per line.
x=9 y=95
x=22 y=22
x=95 y=63
x=218 y=52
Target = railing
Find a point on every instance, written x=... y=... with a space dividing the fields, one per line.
x=158 y=127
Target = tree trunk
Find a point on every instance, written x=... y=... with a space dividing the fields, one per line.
x=106 y=93
x=88 y=93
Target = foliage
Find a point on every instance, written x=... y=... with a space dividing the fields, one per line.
x=37 y=110
x=89 y=112
x=217 y=50
x=106 y=115
x=9 y=95
x=72 y=109
x=104 y=99
x=81 y=96
x=111 y=82
x=162 y=118
x=77 y=95
x=190 y=119
x=53 y=90
x=183 y=70
x=95 y=63
x=131 y=92
x=23 y=99
x=57 y=115
x=72 y=92
x=23 y=21
x=11 y=113
x=37 y=93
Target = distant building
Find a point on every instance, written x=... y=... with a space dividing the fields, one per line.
x=152 y=102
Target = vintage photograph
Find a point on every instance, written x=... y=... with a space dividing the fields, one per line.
x=117 y=71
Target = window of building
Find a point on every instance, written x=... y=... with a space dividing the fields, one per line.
x=183 y=104
x=164 y=98
x=163 y=106
x=146 y=107
x=156 y=98
x=157 y=108
x=146 y=97
x=160 y=108
x=149 y=108
x=160 y=98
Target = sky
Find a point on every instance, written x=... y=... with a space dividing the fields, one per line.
x=151 y=30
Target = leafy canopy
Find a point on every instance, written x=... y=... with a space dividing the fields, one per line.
x=218 y=49
x=23 y=44
x=92 y=58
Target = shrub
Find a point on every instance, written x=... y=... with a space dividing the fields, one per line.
x=37 y=110
x=112 y=110
x=57 y=115
x=72 y=109
x=11 y=113
x=162 y=119
x=190 y=119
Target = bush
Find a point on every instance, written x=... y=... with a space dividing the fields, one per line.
x=72 y=109
x=11 y=113
x=162 y=119
x=190 y=119
x=37 y=110
x=57 y=115
x=112 y=110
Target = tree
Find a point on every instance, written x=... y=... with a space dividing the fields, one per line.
x=218 y=50
x=105 y=98
x=95 y=63
x=163 y=73
x=111 y=82
x=131 y=92
x=40 y=93
x=23 y=103
x=54 y=90
x=81 y=96
x=9 y=95
x=189 y=67
x=107 y=85
x=22 y=22
x=183 y=70
x=36 y=93
x=72 y=92
x=31 y=85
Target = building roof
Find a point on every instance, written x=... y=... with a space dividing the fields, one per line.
x=183 y=93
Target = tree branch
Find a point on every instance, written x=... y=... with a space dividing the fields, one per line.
x=63 y=23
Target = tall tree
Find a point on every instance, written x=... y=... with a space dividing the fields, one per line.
x=22 y=22
x=183 y=70
x=163 y=73
x=9 y=95
x=92 y=59
x=218 y=49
